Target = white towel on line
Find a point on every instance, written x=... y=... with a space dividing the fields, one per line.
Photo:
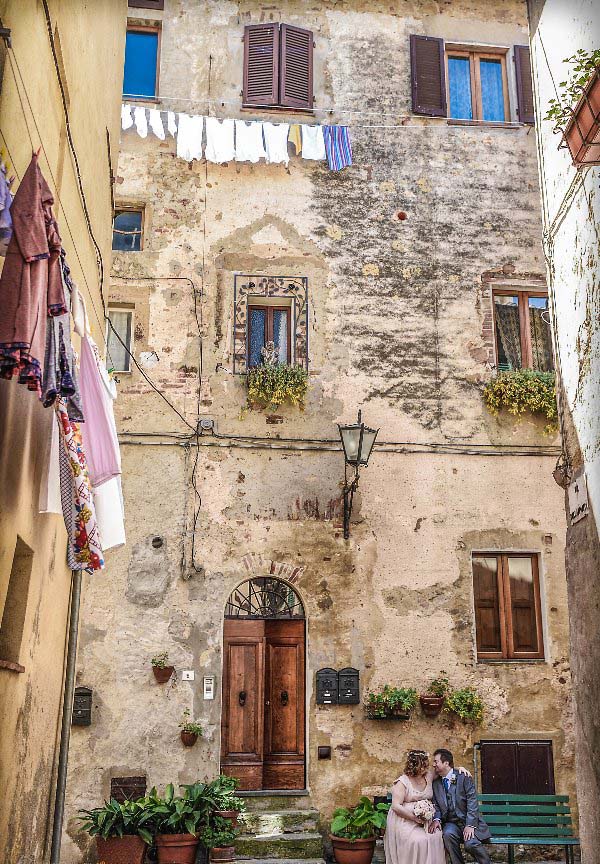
x=141 y=123
x=189 y=137
x=126 y=118
x=276 y=142
x=219 y=140
x=156 y=124
x=313 y=144
x=249 y=145
x=171 y=124
x=110 y=516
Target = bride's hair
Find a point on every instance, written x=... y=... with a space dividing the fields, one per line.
x=416 y=762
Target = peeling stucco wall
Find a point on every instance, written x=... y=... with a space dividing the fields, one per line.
x=571 y=216
x=398 y=325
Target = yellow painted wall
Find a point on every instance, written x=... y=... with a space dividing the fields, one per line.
x=31 y=115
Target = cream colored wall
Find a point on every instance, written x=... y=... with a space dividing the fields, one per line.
x=30 y=702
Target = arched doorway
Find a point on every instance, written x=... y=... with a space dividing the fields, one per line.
x=263 y=711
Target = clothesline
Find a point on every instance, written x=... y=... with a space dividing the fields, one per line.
x=238 y=140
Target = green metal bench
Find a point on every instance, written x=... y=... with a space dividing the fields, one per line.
x=529 y=820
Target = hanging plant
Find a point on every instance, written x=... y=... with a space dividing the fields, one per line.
x=466 y=704
x=524 y=390
x=584 y=64
x=274 y=383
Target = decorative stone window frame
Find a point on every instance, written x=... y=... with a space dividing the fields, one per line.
x=248 y=287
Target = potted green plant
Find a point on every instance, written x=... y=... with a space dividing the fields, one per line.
x=219 y=839
x=175 y=822
x=576 y=110
x=376 y=704
x=465 y=703
x=432 y=700
x=273 y=383
x=119 y=831
x=190 y=730
x=401 y=701
x=354 y=831
x=227 y=804
x=160 y=667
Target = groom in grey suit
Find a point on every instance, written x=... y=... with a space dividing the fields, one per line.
x=457 y=811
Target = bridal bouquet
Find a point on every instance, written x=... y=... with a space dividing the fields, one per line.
x=424 y=810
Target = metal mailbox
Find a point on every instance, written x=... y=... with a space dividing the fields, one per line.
x=349 y=686
x=82 y=707
x=327 y=687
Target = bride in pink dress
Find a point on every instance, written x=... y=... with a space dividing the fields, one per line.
x=407 y=840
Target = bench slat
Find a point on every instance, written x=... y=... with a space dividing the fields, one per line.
x=508 y=819
x=544 y=841
x=524 y=798
x=524 y=808
x=532 y=830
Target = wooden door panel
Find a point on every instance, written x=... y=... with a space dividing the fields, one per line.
x=284 y=707
x=242 y=735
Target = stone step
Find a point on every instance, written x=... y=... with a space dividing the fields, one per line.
x=275 y=801
x=279 y=822
x=300 y=845
x=287 y=860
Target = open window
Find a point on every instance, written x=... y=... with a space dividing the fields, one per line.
x=477 y=86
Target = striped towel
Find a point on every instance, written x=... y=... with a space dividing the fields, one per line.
x=337 y=147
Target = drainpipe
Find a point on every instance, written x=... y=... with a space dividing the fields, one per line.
x=67 y=711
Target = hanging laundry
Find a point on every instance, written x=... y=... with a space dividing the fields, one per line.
x=6 y=199
x=313 y=144
x=276 y=142
x=141 y=122
x=219 y=140
x=156 y=123
x=49 y=498
x=110 y=516
x=295 y=138
x=337 y=147
x=126 y=118
x=84 y=550
x=99 y=431
x=249 y=146
x=171 y=124
x=189 y=137
x=30 y=286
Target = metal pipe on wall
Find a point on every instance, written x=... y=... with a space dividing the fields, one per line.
x=67 y=711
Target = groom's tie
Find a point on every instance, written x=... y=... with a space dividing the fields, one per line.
x=446 y=782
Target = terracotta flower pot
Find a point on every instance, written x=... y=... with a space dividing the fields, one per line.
x=400 y=714
x=163 y=673
x=232 y=815
x=176 y=848
x=222 y=853
x=582 y=134
x=353 y=851
x=121 y=850
x=188 y=738
x=431 y=705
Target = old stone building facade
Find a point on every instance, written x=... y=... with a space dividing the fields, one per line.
x=391 y=315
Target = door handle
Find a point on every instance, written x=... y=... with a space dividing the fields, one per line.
x=242 y=698
x=284 y=697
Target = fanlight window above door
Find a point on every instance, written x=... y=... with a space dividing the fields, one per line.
x=264 y=597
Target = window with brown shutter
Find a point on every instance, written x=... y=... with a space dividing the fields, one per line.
x=508 y=620
x=524 y=84
x=428 y=76
x=278 y=66
x=517 y=768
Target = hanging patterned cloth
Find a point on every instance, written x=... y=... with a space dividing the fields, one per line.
x=337 y=147
x=84 y=551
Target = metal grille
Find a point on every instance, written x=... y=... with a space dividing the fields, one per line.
x=264 y=597
x=246 y=287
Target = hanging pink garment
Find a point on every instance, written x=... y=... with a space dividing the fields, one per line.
x=99 y=431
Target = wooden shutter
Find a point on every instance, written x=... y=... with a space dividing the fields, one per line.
x=487 y=592
x=261 y=64
x=147 y=4
x=427 y=64
x=535 y=768
x=523 y=612
x=524 y=84
x=296 y=67
x=499 y=767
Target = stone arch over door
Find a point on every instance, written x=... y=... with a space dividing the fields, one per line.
x=264 y=688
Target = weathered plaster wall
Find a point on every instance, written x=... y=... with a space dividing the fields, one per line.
x=397 y=326
x=571 y=214
x=30 y=701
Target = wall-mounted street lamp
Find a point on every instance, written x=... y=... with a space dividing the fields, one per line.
x=357 y=441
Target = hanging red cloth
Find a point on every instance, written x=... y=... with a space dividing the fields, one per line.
x=30 y=285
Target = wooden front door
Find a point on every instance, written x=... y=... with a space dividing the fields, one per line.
x=262 y=734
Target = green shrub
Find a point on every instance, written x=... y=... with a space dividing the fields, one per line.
x=466 y=704
x=584 y=63
x=524 y=390
x=274 y=384
x=161 y=660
